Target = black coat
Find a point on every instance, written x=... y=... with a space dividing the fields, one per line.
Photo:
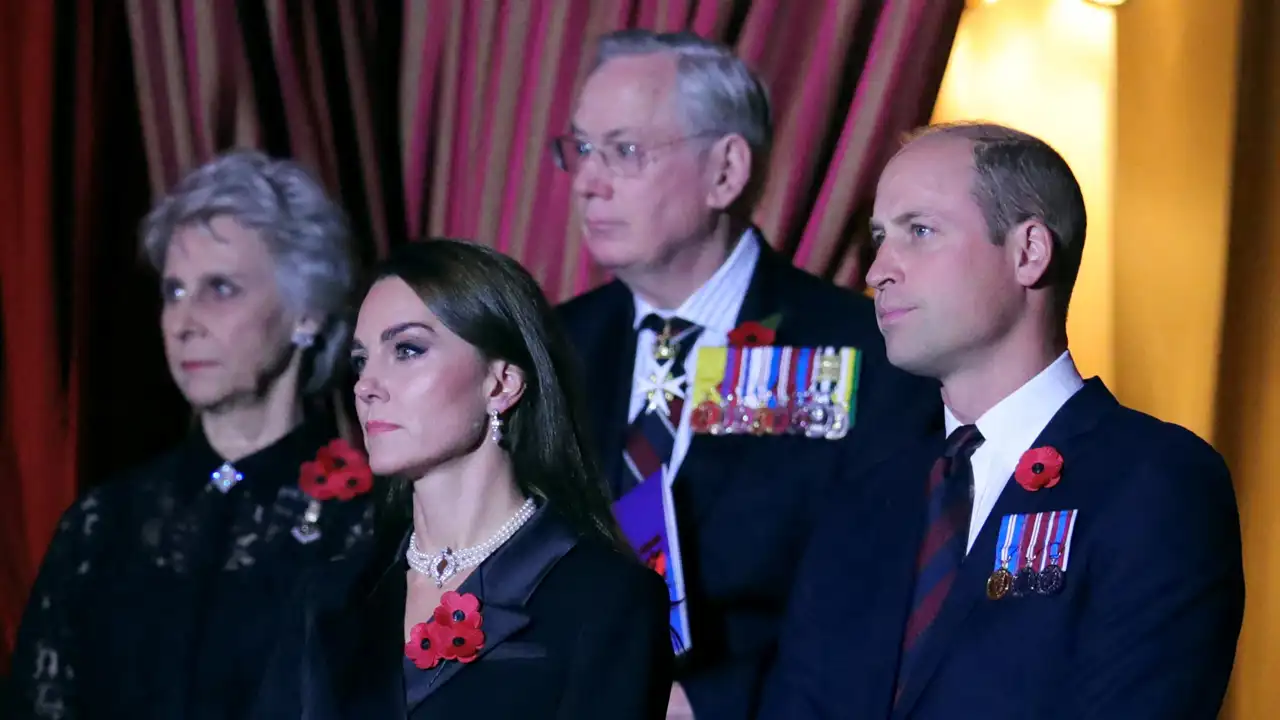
x=573 y=629
x=156 y=596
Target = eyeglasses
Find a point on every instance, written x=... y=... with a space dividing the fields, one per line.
x=625 y=159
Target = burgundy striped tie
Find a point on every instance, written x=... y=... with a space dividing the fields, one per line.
x=950 y=504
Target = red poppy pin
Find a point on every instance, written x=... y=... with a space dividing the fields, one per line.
x=452 y=633
x=338 y=471
x=755 y=333
x=1038 y=468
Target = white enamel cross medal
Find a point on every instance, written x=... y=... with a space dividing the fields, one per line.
x=661 y=388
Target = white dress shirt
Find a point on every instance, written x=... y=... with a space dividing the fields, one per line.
x=714 y=307
x=1009 y=429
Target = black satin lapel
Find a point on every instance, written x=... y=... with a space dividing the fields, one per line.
x=1066 y=432
x=503 y=583
x=500 y=623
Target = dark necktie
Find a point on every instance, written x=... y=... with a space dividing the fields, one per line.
x=946 y=538
x=652 y=435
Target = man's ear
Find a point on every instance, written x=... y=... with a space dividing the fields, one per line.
x=506 y=385
x=1031 y=246
x=729 y=164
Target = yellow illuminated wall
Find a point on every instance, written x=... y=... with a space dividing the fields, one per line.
x=1047 y=67
x=1177 y=67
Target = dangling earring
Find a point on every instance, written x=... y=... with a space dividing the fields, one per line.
x=303 y=339
x=495 y=426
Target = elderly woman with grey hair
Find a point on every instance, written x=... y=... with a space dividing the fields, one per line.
x=155 y=596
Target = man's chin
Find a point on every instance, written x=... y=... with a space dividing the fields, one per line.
x=909 y=359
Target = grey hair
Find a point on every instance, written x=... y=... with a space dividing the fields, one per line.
x=1019 y=177
x=718 y=94
x=305 y=231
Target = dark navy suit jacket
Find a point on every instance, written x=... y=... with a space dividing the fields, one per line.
x=1145 y=626
x=745 y=505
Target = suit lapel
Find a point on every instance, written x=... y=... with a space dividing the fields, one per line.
x=901 y=519
x=504 y=584
x=1067 y=431
x=612 y=364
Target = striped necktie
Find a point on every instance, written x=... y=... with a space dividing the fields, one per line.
x=652 y=435
x=946 y=538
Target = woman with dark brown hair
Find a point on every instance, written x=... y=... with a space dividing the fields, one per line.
x=499 y=585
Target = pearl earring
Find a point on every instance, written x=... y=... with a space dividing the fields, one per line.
x=303 y=339
x=495 y=426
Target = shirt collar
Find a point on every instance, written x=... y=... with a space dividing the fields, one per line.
x=715 y=305
x=1014 y=423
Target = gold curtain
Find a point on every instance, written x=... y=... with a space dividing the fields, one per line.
x=1247 y=430
x=1197 y=266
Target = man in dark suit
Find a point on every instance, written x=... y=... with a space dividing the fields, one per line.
x=1057 y=554
x=670 y=135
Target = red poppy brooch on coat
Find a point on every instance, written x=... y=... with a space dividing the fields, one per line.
x=755 y=333
x=452 y=633
x=1038 y=468
x=338 y=472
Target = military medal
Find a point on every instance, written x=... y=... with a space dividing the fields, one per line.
x=707 y=417
x=666 y=346
x=839 y=421
x=999 y=584
x=1051 y=578
x=1047 y=546
x=1027 y=580
x=762 y=390
x=661 y=387
x=1001 y=580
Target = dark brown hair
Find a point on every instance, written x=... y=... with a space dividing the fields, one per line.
x=491 y=302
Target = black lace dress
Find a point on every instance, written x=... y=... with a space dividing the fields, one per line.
x=156 y=596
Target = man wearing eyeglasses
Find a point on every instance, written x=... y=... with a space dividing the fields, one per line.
x=717 y=373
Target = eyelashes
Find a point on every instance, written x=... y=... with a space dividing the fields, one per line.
x=403 y=351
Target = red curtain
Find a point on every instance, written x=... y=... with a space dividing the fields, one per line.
x=432 y=117
x=34 y=428
x=78 y=348
x=426 y=117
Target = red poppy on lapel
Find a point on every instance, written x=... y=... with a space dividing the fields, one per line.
x=425 y=641
x=452 y=633
x=338 y=471
x=462 y=642
x=1038 y=468
x=455 y=609
x=751 y=334
x=755 y=334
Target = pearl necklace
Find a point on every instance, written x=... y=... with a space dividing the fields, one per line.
x=446 y=563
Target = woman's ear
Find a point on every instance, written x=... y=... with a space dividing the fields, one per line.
x=305 y=331
x=506 y=385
